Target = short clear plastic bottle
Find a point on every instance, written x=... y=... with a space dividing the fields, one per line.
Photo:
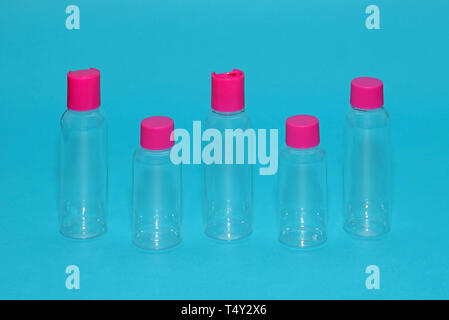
x=367 y=161
x=228 y=198
x=157 y=188
x=302 y=185
x=83 y=159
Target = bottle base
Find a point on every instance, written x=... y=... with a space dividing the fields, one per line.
x=156 y=240
x=82 y=234
x=82 y=220
x=302 y=238
x=228 y=232
x=365 y=228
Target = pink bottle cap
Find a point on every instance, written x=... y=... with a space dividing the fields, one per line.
x=367 y=93
x=302 y=132
x=156 y=133
x=228 y=93
x=83 y=89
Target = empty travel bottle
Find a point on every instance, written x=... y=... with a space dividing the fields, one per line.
x=228 y=198
x=367 y=161
x=302 y=185
x=83 y=159
x=156 y=187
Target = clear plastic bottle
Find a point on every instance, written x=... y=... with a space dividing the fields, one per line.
x=302 y=185
x=157 y=187
x=228 y=187
x=367 y=161
x=83 y=162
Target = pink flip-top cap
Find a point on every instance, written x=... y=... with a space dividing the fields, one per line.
x=228 y=92
x=83 y=89
x=367 y=93
x=302 y=132
x=157 y=133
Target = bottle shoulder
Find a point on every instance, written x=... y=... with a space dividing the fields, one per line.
x=235 y=120
x=151 y=157
x=302 y=156
x=368 y=119
x=83 y=120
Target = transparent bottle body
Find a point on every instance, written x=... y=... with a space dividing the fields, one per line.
x=302 y=197
x=228 y=200
x=367 y=172
x=83 y=174
x=157 y=200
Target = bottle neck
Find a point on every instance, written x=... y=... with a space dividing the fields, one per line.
x=303 y=151
x=161 y=152
x=233 y=113
x=84 y=112
x=367 y=110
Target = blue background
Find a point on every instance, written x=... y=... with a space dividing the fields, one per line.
x=155 y=58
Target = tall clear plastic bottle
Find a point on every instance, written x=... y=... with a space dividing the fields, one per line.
x=83 y=161
x=367 y=161
x=228 y=197
x=302 y=185
x=157 y=187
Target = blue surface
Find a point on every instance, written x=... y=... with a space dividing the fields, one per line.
x=156 y=58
